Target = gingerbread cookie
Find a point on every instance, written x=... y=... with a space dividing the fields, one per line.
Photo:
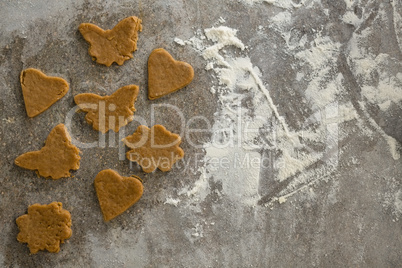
x=166 y=75
x=41 y=91
x=56 y=158
x=109 y=112
x=114 y=45
x=116 y=193
x=154 y=148
x=44 y=227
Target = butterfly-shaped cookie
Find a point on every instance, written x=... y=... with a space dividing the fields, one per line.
x=56 y=158
x=116 y=45
x=109 y=112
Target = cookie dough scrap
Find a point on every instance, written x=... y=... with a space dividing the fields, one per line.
x=116 y=45
x=44 y=227
x=56 y=158
x=154 y=148
x=109 y=112
x=166 y=75
x=41 y=91
x=116 y=193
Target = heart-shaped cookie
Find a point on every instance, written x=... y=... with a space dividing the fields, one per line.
x=116 y=193
x=166 y=75
x=41 y=91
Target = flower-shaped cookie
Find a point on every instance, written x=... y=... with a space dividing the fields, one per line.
x=44 y=227
x=154 y=148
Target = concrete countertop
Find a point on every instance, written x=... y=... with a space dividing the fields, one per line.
x=328 y=69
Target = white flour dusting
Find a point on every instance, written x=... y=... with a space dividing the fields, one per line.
x=392 y=199
x=238 y=78
x=288 y=4
x=388 y=90
x=239 y=178
x=172 y=201
x=367 y=65
x=179 y=41
x=380 y=78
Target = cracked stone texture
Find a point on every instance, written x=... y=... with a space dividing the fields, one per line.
x=345 y=225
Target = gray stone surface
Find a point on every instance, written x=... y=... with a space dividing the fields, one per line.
x=352 y=220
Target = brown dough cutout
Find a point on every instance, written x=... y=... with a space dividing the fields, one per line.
x=116 y=193
x=56 y=158
x=166 y=75
x=41 y=91
x=44 y=227
x=114 y=45
x=109 y=112
x=154 y=148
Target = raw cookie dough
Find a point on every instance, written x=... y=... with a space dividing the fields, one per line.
x=116 y=193
x=114 y=45
x=44 y=227
x=166 y=75
x=56 y=158
x=41 y=91
x=154 y=148
x=109 y=112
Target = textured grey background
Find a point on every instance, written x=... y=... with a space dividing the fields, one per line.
x=354 y=230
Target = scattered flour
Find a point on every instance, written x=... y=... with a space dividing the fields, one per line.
x=287 y=4
x=238 y=170
x=378 y=75
x=179 y=41
x=397 y=11
x=197 y=231
x=229 y=156
x=394 y=146
x=118 y=248
x=222 y=36
x=282 y=200
x=238 y=79
x=350 y=17
x=232 y=141
x=392 y=199
x=398 y=202
x=172 y=201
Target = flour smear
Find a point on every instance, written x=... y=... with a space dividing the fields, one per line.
x=237 y=79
